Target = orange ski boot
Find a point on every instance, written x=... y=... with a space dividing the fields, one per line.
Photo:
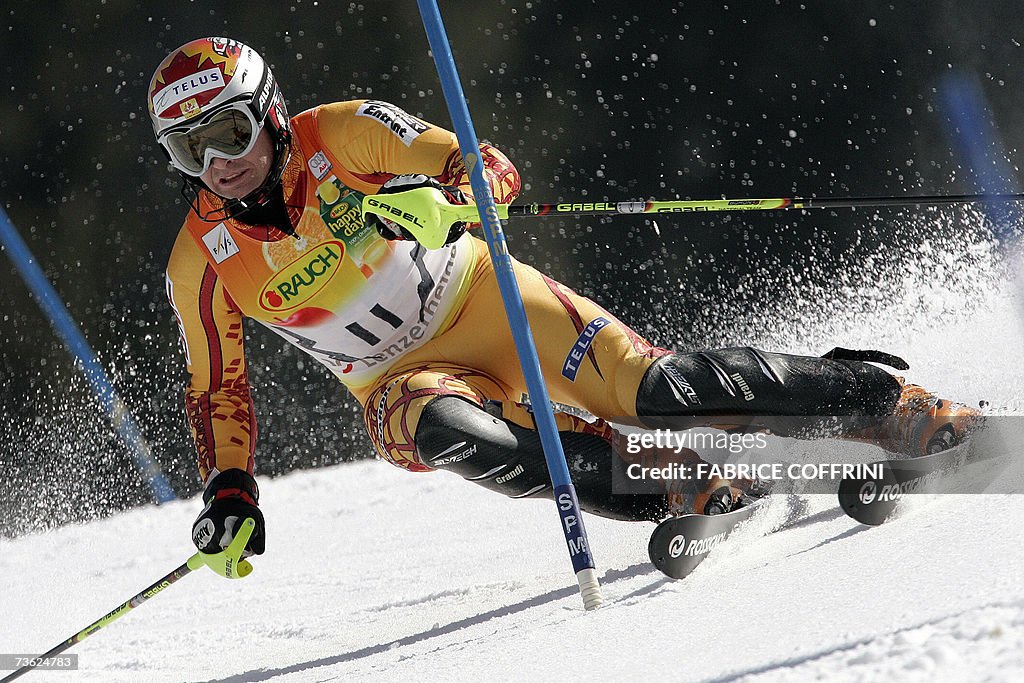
x=714 y=496
x=922 y=423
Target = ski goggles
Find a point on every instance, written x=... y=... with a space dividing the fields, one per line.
x=227 y=133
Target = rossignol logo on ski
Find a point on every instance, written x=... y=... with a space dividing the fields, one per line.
x=703 y=546
x=676 y=546
x=301 y=279
x=892 y=492
x=679 y=544
x=868 y=492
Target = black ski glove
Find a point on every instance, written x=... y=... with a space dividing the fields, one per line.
x=230 y=497
x=390 y=230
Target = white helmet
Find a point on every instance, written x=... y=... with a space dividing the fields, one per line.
x=210 y=98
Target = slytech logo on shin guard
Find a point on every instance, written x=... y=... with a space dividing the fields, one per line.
x=300 y=280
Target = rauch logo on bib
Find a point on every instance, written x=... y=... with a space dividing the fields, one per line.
x=297 y=282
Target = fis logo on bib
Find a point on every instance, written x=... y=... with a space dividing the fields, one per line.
x=300 y=280
x=221 y=244
x=571 y=366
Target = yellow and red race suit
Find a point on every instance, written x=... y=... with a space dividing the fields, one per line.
x=395 y=322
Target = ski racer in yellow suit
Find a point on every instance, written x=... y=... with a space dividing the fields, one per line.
x=275 y=233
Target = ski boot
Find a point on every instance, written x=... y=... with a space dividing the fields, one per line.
x=716 y=496
x=922 y=423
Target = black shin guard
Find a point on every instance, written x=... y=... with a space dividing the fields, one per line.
x=746 y=381
x=455 y=435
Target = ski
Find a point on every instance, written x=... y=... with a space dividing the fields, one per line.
x=679 y=544
x=872 y=501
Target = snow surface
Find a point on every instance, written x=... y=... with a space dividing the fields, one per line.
x=375 y=572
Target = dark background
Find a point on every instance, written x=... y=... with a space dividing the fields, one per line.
x=594 y=100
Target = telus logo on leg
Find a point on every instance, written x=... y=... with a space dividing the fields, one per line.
x=571 y=366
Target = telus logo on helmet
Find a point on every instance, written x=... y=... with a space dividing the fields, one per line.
x=201 y=69
x=189 y=86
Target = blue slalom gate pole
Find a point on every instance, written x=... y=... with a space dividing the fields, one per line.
x=564 y=491
x=977 y=140
x=69 y=331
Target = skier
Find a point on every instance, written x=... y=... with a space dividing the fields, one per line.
x=275 y=233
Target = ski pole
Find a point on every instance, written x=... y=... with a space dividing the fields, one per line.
x=227 y=563
x=421 y=209
x=699 y=205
